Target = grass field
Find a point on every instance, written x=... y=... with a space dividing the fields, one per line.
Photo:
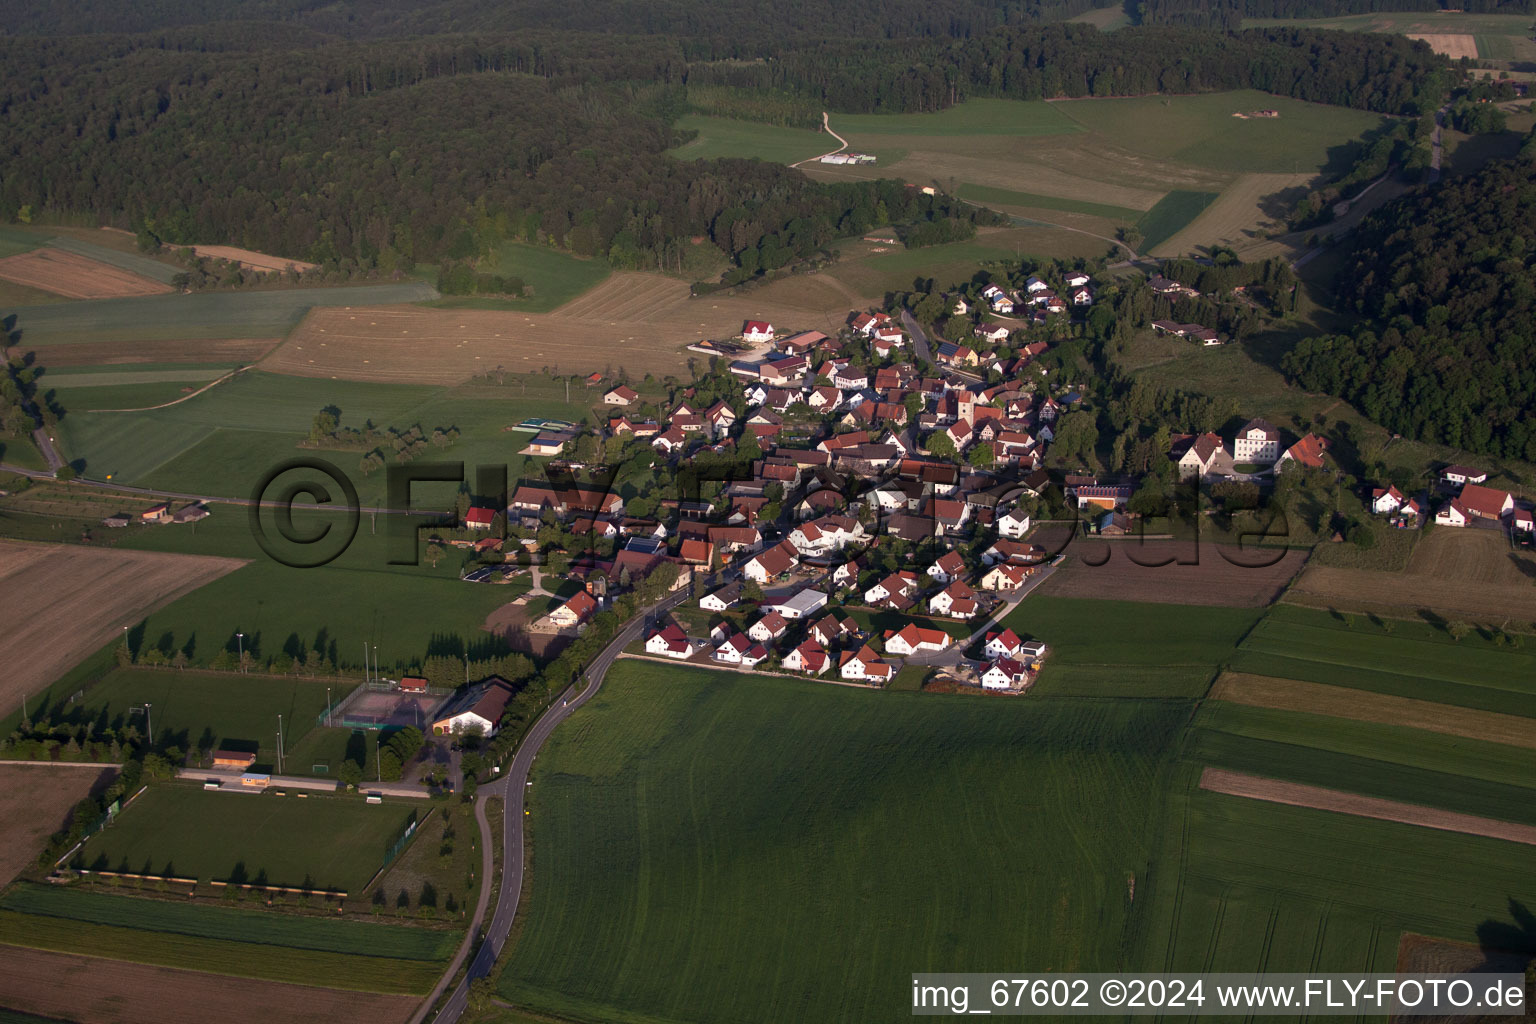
x=327 y=842
x=1415 y=660
x=188 y=318
x=133 y=262
x=1003 y=198
x=726 y=137
x=193 y=709
x=355 y=938
x=1172 y=214
x=14 y=240
x=1127 y=649
x=552 y=278
x=754 y=831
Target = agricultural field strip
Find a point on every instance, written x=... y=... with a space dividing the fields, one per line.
x=1494 y=669
x=37 y=800
x=1218 y=780
x=74 y=276
x=62 y=603
x=1365 y=706
x=143 y=266
x=353 y=938
x=109 y=379
x=51 y=984
x=220 y=956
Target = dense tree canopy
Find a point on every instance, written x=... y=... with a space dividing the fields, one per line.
x=1229 y=14
x=1446 y=278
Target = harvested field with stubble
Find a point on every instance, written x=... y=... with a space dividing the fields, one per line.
x=642 y=322
x=1211 y=580
x=1453 y=46
x=35 y=802
x=75 y=276
x=1466 y=572
x=1365 y=706
x=59 y=603
x=91 y=990
x=1219 y=780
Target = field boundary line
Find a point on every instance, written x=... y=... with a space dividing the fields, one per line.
x=1296 y=794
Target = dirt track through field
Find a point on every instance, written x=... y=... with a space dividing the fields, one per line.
x=58 y=603
x=1211 y=580
x=1364 y=706
x=35 y=801
x=92 y=990
x=642 y=322
x=1219 y=780
x=75 y=276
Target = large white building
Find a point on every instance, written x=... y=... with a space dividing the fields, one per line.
x=1257 y=442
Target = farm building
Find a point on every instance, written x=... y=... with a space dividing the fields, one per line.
x=801 y=605
x=479 y=711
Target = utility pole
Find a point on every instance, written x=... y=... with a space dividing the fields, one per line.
x=327 y=707
x=149 y=722
x=366 y=677
x=279 y=743
x=240 y=642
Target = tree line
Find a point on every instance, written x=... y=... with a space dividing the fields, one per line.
x=1445 y=283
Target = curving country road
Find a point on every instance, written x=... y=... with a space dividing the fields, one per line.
x=512 y=787
x=826 y=127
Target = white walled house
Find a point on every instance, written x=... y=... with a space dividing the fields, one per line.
x=1013 y=525
x=1257 y=442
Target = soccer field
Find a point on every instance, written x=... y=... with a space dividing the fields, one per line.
x=325 y=842
x=728 y=847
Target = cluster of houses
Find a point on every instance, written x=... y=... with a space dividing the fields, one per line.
x=1037 y=301
x=1469 y=502
x=159 y=515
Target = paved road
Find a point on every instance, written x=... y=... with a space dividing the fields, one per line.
x=512 y=787
x=919 y=339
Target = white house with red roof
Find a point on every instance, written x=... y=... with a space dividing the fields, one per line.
x=864 y=665
x=1005 y=577
x=1459 y=475
x=621 y=395
x=757 y=331
x=950 y=566
x=671 y=642
x=956 y=601
x=1002 y=645
x=1305 y=454
x=574 y=611
x=1452 y=513
x=1486 y=502
x=479 y=518
x=1386 y=500
x=764 y=566
x=1004 y=674
x=768 y=628
x=914 y=639
x=808 y=657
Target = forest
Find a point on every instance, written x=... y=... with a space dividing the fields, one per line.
x=1445 y=281
x=1228 y=15
x=380 y=155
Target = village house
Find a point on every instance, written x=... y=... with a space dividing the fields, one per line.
x=956 y=601
x=726 y=597
x=1452 y=513
x=479 y=518
x=808 y=657
x=671 y=642
x=768 y=628
x=949 y=567
x=482 y=715
x=1305 y=454
x=1001 y=645
x=757 y=332
x=778 y=559
x=830 y=533
x=696 y=552
x=1013 y=525
x=739 y=649
x=914 y=639
x=573 y=612
x=1004 y=674
x=621 y=395
x=897 y=584
x=1257 y=442
x=1386 y=500
x=1005 y=577
x=864 y=665
x=1205 y=455
x=1459 y=475
x=829 y=629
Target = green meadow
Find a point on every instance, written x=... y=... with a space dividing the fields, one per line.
x=1129 y=649
x=723 y=137
x=212 y=315
x=764 y=849
x=1172 y=214
x=327 y=842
